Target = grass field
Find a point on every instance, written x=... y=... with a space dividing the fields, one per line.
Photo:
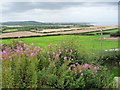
x=10 y=30
x=91 y=43
x=108 y=31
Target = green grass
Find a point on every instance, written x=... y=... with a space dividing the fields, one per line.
x=108 y=31
x=91 y=43
x=10 y=30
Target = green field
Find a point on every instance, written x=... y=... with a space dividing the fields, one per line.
x=10 y=30
x=108 y=31
x=91 y=43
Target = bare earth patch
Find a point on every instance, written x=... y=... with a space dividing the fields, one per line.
x=112 y=38
x=20 y=34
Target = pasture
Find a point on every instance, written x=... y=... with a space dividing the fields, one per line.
x=91 y=43
x=10 y=30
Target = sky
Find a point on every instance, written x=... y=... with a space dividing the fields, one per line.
x=98 y=13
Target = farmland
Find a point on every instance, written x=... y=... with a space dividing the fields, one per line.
x=10 y=30
x=59 y=58
x=27 y=32
x=81 y=34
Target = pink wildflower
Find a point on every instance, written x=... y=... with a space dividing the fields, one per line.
x=57 y=55
x=80 y=71
x=38 y=47
x=4 y=52
x=77 y=63
x=26 y=49
x=66 y=50
x=70 y=52
x=21 y=48
x=95 y=68
x=65 y=58
x=20 y=41
x=82 y=74
x=50 y=45
x=32 y=44
x=60 y=52
x=69 y=68
x=32 y=54
x=85 y=66
x=25 y=45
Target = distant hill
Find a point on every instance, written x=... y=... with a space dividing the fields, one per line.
x=22 y=23
x=40 y=23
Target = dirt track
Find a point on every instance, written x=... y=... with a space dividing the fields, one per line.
x=112 y=38
x=58 y=32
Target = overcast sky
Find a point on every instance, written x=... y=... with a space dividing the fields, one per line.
x=100 y=13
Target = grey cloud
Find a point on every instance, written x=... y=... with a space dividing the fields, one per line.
x=26 y=6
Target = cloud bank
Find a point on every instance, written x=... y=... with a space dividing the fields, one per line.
x=105 y=13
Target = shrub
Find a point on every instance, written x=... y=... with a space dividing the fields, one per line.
x=19 y=66
x=27 y=66
x=110 y=58
x=115 y=34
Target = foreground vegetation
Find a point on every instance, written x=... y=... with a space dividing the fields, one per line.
x=56 y=66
